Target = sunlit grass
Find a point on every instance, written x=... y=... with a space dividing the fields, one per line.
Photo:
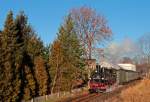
x=138 y=93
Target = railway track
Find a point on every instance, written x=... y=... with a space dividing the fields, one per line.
x=99 y=97
x=83 y=98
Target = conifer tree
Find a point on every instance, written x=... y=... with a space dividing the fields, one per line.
x=29 y=80
x=24 y=72
x=72 y=53
x=10 y=57
x=18 y=56
x=33 y=49
x=41 y=75
x=67 y=53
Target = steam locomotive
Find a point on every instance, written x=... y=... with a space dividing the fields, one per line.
x=105 y=76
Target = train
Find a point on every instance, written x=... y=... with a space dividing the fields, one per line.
x=105 y=75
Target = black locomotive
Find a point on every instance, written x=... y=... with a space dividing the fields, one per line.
x=101 y=79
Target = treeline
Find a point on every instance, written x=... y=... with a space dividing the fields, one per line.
x=23 y=65
x=29 y=69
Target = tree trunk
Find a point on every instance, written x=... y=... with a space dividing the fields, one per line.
x=54 y=83
x=90 y=50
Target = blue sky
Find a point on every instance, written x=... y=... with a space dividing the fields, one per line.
x=126 y=18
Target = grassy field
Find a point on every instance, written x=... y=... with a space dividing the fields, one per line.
x=137 y=93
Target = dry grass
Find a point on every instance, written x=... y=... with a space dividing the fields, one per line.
x=138 y=93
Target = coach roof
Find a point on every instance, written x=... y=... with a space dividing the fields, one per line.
x=109 y=65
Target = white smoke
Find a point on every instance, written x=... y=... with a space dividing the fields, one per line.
x=116 y=51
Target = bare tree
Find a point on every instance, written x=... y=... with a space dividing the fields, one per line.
x=144 y=43
x=99 y=54
x=91 y=28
